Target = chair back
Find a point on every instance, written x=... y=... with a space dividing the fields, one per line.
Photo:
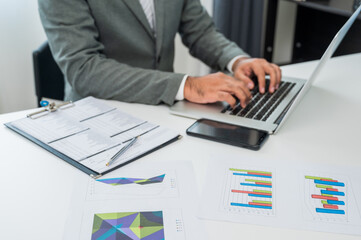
x=49 y=80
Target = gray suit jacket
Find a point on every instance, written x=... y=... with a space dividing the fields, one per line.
x=106 y=48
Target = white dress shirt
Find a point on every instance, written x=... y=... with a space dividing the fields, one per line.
x=149 y=10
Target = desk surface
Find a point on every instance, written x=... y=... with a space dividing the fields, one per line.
x=36 y=187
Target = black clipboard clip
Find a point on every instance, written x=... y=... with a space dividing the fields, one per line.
x=52 y=107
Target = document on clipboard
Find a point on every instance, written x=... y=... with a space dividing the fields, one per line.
x=88 y=133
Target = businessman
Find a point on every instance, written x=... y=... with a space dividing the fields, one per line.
x=124 y=50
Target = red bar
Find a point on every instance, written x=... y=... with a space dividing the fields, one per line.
x=260 y=174
x=260 y=183
x=249 y=192
x=330 y=206
x=261 y=204
x=324 y=197
x=331 y=189
x=328 y=180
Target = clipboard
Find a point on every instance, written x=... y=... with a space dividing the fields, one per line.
x=91 y=171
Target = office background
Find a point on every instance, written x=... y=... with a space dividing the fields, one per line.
x=22 y=33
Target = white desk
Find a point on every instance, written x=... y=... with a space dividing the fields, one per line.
x=36 y=187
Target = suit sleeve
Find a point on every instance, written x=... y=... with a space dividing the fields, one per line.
x=73 y=39
x=203 y=40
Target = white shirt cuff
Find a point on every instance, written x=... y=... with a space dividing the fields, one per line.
x=180 y=93
x=230 y=64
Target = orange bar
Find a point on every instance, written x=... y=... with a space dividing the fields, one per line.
x=324 y=197
x=249 y=192
x=331 y=189
x=260 y=204
x=259 y=183
x=260 y=174
x=328 y=180
x=330 y=206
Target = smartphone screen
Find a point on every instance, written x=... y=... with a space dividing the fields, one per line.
x=228 y=133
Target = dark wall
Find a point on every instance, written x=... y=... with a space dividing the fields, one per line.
x=241 y=21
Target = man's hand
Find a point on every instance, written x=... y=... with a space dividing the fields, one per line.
x=245 y=68
x=216 y=87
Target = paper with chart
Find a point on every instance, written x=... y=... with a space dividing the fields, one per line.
x=91 y=133
x=326 y=198
x=139 y=201
x=248 y=191
x=269 y=193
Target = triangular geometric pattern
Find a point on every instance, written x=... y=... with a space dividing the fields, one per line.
x=141 y=181
x=128 y=226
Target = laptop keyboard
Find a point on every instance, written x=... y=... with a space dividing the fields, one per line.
x=262 y=105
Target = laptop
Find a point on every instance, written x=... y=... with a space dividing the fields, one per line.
x=266 y=111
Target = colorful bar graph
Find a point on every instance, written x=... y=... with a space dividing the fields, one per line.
x=255 y=188
x=328 y=191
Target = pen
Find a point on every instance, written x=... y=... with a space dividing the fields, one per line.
x=122 y=150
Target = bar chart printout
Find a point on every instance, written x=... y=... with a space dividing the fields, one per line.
x=326 y=198
x=248 y=192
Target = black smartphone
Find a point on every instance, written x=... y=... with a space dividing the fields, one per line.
x=228 y=133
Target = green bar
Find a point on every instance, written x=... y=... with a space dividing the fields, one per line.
x=243 y=170
x=324 y=202
x=316 y=178
x=327 y=195
x=258 y=201
x=323 y=186
x=262 y=191
x=255 y=180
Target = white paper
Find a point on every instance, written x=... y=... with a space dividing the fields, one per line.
x=145 y=143
x=174 y=198
x=294 y=199
x=92 y=132
x=50 y=127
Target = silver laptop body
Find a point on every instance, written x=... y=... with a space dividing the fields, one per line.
x=265 y=117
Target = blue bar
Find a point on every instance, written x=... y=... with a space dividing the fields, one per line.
x=255 y=185
x=333 y=193
x=340 y=184
x=251 y=175
x=257 y=195
x=252 y=206
x=335 y=202
x=332 y=211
